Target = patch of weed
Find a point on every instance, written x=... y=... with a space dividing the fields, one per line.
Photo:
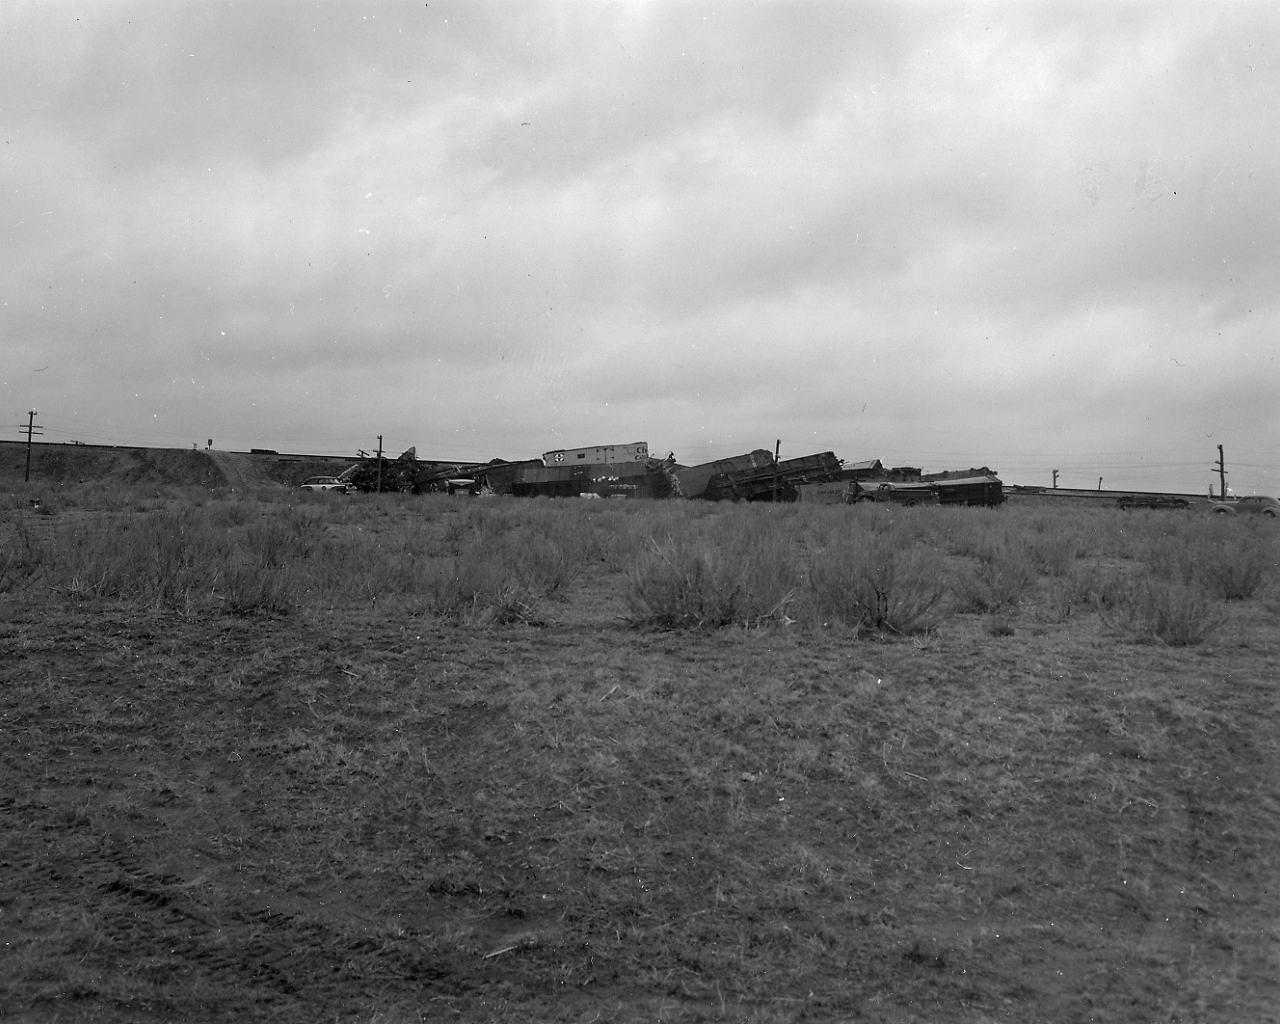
x=1151 y=609
x=868 y=581
x=736 y=572
x=1002 y=578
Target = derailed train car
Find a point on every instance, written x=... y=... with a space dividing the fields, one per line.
x=976 y=489
x=628 y=471
x=694 y=480
x=778 y=482
x=601 y=479
x=980 y=488
x=631 y=474
x=637 y=452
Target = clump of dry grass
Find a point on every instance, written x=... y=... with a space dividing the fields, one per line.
x=477 y=588
x=21 y=558
x=1082 y=588
x=868 y=581
x=502 y=575
x=1237 y=572
x=1233 y=564
x=735 y=572
x=1154 y=610
x=677 y=582
x=164 y=559
x=1004 y=574
x=1239 y=576
x=1055 y=554
x=249 y=589
x=967 y=531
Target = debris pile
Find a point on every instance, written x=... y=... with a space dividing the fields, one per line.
x=371 y=475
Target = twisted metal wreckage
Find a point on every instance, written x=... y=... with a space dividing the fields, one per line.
x=629 y=471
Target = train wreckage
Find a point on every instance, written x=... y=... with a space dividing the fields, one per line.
x=630 y=471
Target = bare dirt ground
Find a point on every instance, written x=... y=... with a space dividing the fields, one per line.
x=368 y=815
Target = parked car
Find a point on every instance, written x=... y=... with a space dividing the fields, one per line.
x=325 y=483
x=1151 y=501
x=1254 y=504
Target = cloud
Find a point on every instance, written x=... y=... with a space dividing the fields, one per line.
x=951 y=232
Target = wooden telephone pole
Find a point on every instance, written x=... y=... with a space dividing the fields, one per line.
x=32 y=428
x=1222 y=476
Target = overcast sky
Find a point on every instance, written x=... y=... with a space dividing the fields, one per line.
x=1030 y=236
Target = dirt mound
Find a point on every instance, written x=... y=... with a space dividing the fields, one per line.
x=75 y=463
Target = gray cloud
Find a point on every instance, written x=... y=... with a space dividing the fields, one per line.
x=932 y=233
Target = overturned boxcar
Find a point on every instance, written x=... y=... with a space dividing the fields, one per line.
x=693 y=480
x=778 y=481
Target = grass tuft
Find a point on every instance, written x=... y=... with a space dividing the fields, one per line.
x=1237 y=572
x=865 y=581
x=737 y=573
x=478 y=588
x=1005 y=573
x=1154 y=610
x=258 y=590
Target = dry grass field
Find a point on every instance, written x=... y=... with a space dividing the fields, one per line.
x=270 y=757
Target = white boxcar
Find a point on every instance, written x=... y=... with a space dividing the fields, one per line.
x=600 y=455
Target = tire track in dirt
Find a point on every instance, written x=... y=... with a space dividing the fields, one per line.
x=1197 y=950
x=175 y=936
x=1218 y=970
x=155 y=928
